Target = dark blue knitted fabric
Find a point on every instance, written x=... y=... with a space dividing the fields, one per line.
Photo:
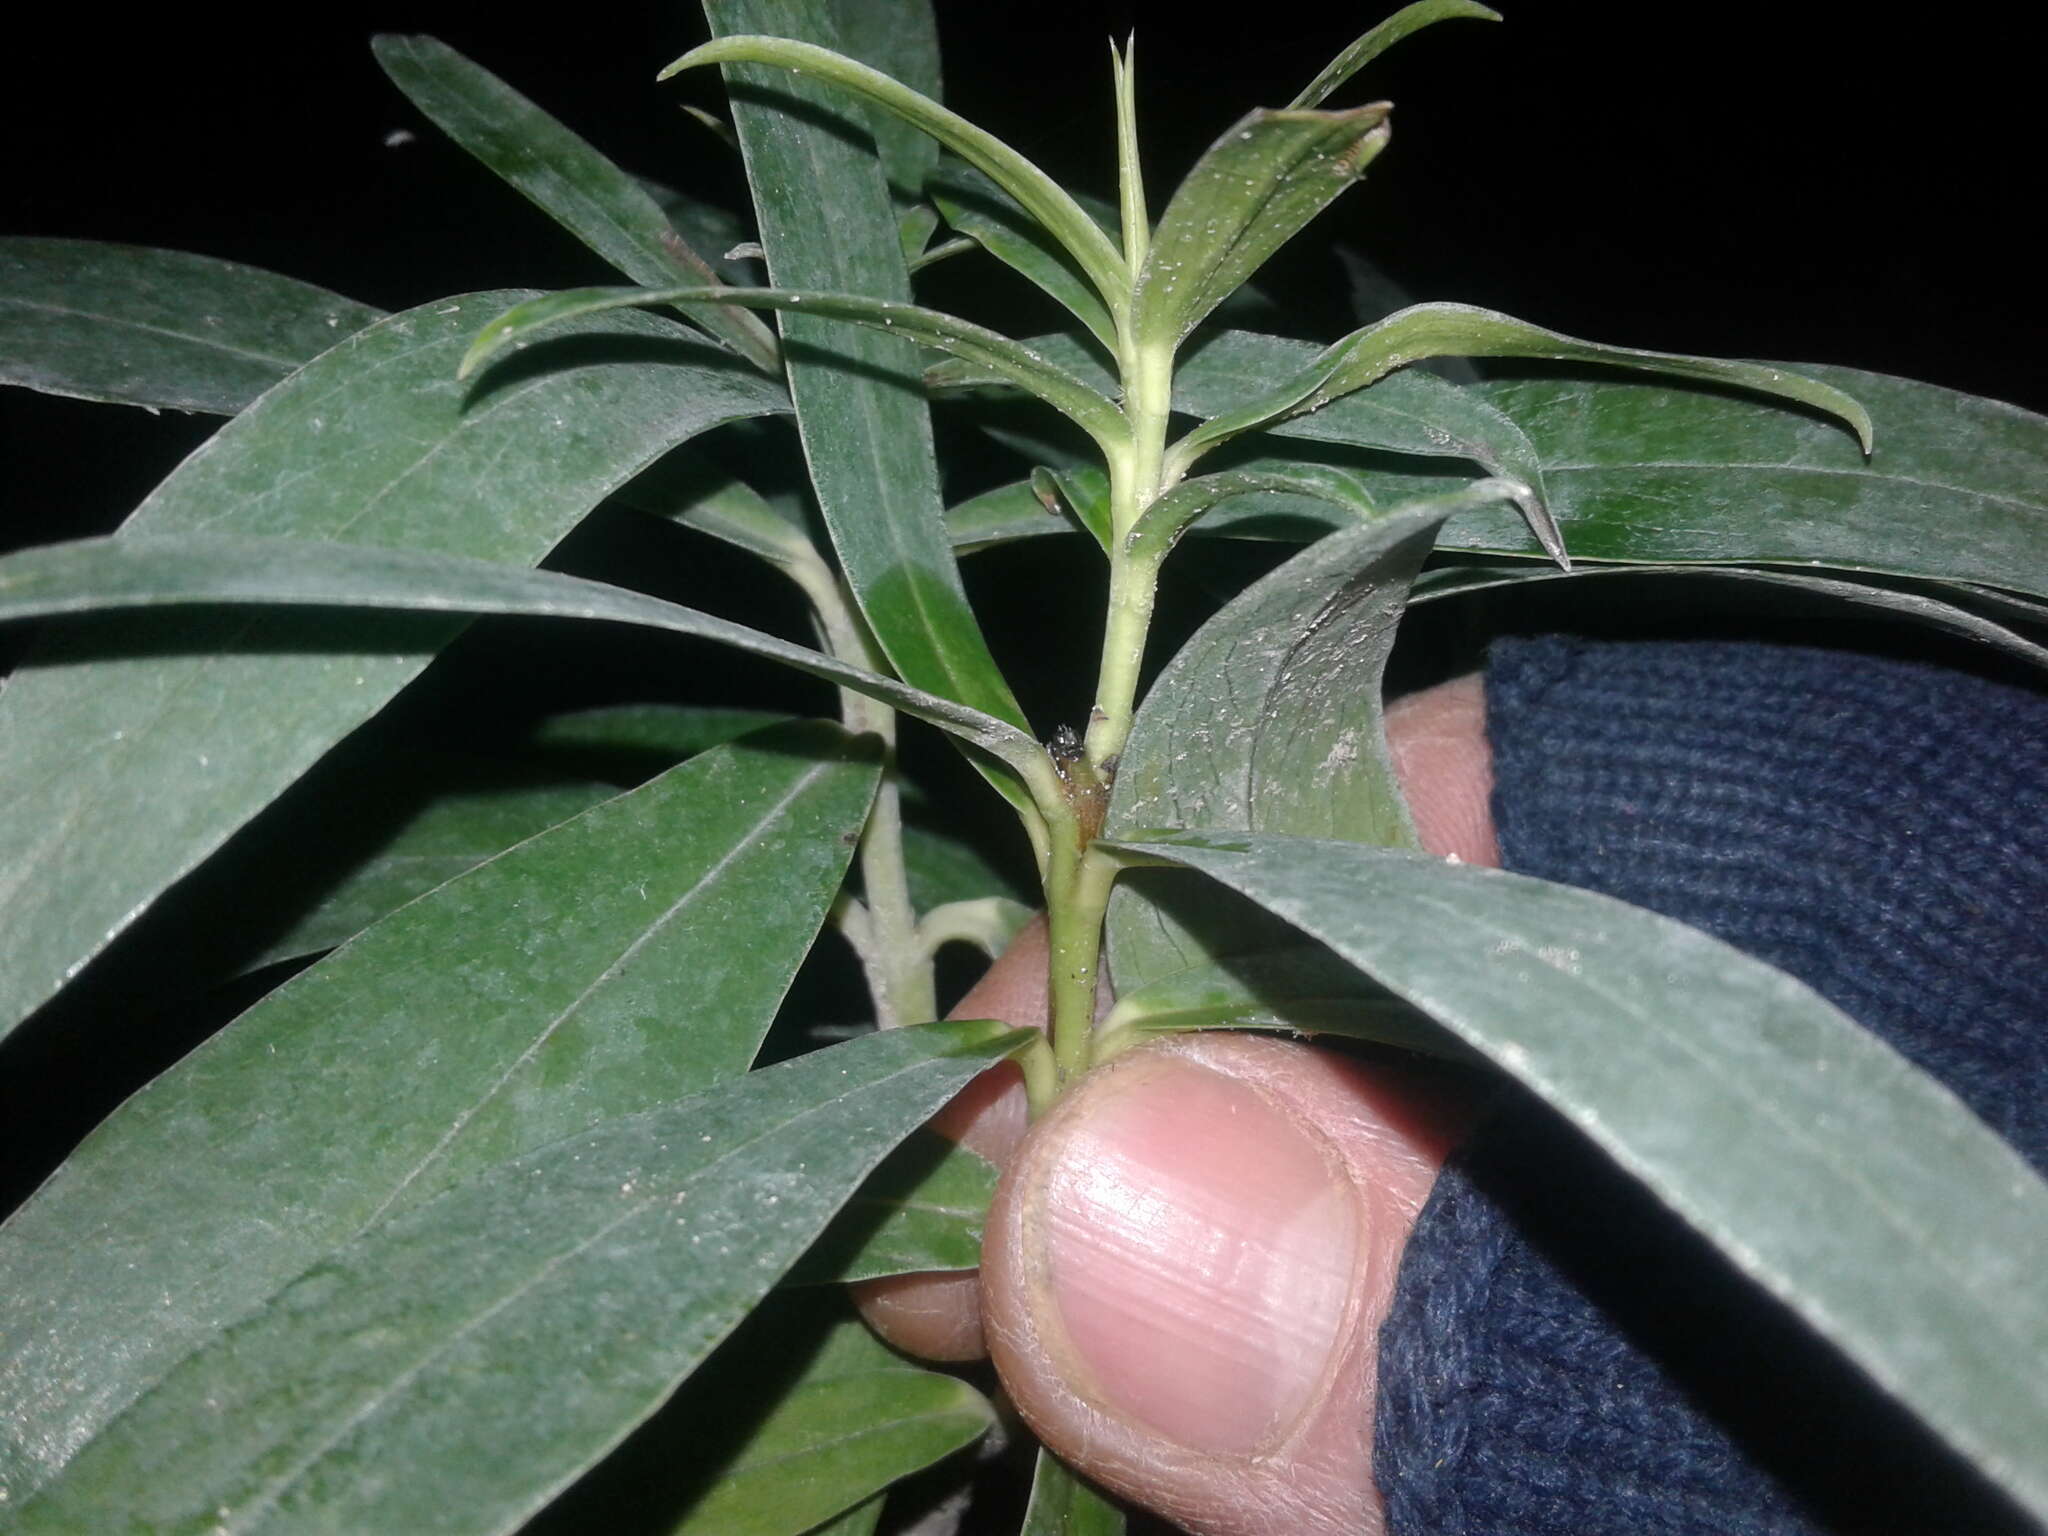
x=1561 y=1355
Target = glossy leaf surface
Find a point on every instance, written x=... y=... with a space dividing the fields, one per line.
x=456 y=1365
x=127 y=758
x=1246 y=197
x=827 y=223
x=571 y=981
x=1836 y=1175
x=96 y=574
x=564 y=176
x=163 y=329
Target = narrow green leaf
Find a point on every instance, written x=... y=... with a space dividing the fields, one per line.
x=162 y=329
x=1083 y=494
x=1009 y=360
x=923 y=1209
x=1299 y=988
x=1162 y=523
x=1063 y=1505
x=628 y=744
x=1917 y=606
x=1250 y=194
x=1957 y=489
x=1268 y=719
x=126 y=760
x=566 y=178
x=827 y=223
x=856 y=1418
x=456 y=1365
x=1408 y=20
x=1461 y=330
x=449 y=834
x=90 y=575
x=593 y=982
x=1040 y=195
x=899 y=38
x=1002 y=516
x=1132 y=213
x=1842 y=1179
x=989 y=216
x=699 y=495
x=711 y=231
x=942 y=869
x=861 y=1520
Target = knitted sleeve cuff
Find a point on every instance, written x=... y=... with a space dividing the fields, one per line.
x=1561 y=1355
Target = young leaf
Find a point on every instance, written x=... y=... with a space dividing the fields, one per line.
x=162 y=329
x=1009 y=360
x=1461 y=330
x=456 y=1365
x=1405 y=22
x=1269 y=719
x=562 y=175
x=1248 y=196
x=126 y=760
x=1063 y=1505
x=982 y=211
x=90 y=575
x=923 y=1209
x=1002 y=516
x=592 y=984
x=1039 y=194
x=827 y=223
x=1842 y=1179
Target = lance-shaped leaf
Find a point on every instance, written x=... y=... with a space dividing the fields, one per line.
x=1828 y=1169
x=163 y=329
x=1462 y=330
x=1037 y=192
x=1063 y=1505
x=1405 y=22
x=126 y=761
x=1009 y=360
x=923 y=1209
x=1002 y=516
x=826 y=222
x=566 y=178
x=1162 y=523
x=899 y=38
x=458 y=1364
x=1918 y=606
x=800 y=1414
x=570 y=981
x=1269 y=719
x=983 y=212
x=1248 y=196
x=90 y=575
x=1957 y=489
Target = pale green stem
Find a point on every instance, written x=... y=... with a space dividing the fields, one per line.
x=897 y=964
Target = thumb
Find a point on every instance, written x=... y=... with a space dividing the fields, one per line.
x=1186 y=1268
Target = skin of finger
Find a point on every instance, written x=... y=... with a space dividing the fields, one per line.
x=1437 y=739
x=1384 y=1135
